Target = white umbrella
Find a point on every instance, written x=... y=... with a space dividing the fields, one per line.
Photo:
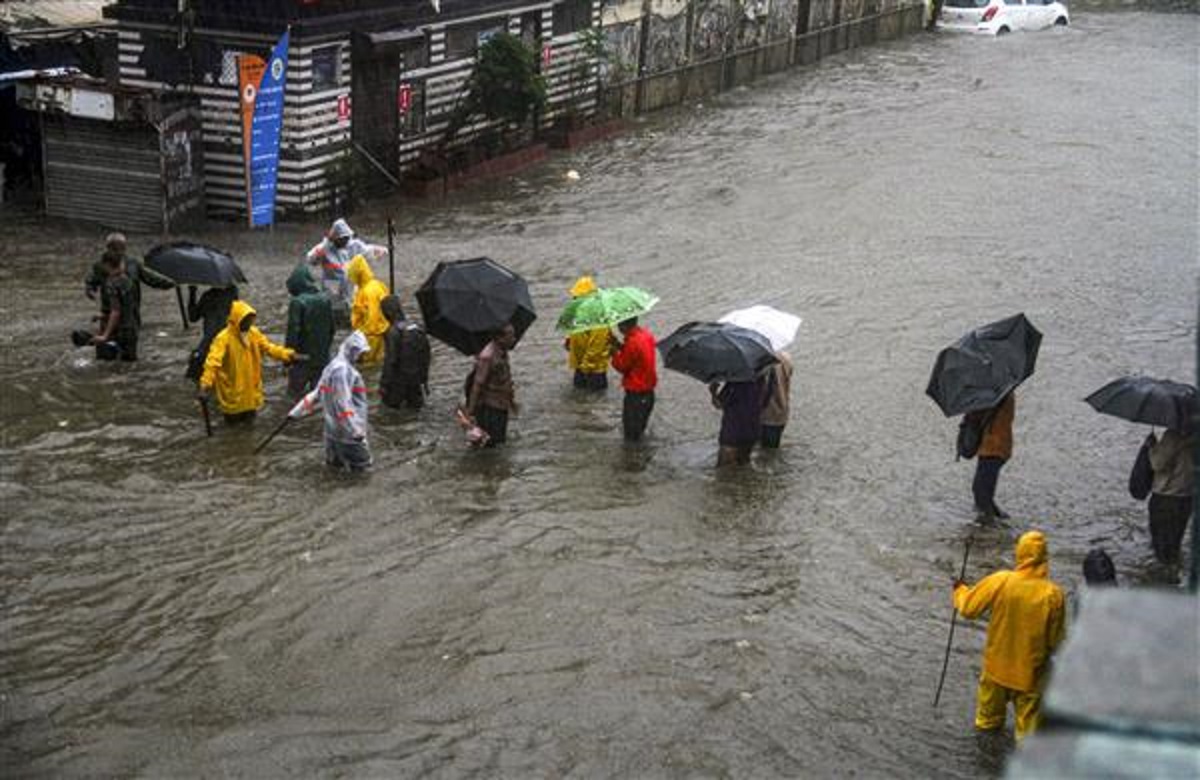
x=778 y=326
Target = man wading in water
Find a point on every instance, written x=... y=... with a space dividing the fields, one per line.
x=1025 y=626
x=490 y=392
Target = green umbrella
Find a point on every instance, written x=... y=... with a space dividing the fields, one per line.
x=604 y=308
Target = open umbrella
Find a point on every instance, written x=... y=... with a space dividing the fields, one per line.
x=1147 y=400
x=465 y=301
x=717 y=352
x=604 y=308
x=978 y=370
x=187 y=263
x=778 y=326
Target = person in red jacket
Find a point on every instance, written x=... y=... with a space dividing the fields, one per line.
x=636 y=361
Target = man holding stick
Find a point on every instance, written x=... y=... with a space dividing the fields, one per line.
x=1025 y=626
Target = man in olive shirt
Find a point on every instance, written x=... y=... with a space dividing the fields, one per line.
x=115 y=245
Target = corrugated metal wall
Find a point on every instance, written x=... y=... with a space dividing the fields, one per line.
x=104 y=172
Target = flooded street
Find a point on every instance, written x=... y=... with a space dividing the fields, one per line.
x=174 y=605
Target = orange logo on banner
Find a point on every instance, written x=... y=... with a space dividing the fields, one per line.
x=250 y=73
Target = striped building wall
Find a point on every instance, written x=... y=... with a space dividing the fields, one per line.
x=570 y=80
x=312 y=133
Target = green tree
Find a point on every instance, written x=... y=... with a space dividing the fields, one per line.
x=504 y=87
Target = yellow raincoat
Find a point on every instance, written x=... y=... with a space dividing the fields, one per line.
x=588 y=351
x=1025 y=626
x=367 y=314
x=234 y=363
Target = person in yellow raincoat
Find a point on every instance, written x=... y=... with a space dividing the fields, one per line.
x=587 y=352
x=233 y=368
x=1024 y=629
x=366 y=314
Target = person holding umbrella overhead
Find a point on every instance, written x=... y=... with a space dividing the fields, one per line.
x=213 y=308
x=636 y=361
x=233 y=368
x=1173 y=406
x=482 y=309
x=779 y=328
x=196 y=264
x=741 y=405
x=587 y=351
x=588 y=320
x=491 y=396
x=995 y=449
x=737 y=358
x=976 y=377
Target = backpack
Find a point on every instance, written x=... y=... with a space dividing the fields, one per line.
x=1141 y=478
x=970 y=433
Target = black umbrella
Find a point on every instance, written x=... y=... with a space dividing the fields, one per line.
x=982 y=367
x=1147 y=400
x=717 y=352
x=187 y=263
x=465 y=301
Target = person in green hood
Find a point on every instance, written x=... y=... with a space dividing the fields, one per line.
x=310 y=329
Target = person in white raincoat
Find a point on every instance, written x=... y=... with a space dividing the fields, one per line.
x=330 y=261
x=342 y=396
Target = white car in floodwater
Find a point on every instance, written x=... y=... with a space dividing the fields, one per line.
x=997 y=17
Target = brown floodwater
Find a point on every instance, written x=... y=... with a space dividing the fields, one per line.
x=177 y=606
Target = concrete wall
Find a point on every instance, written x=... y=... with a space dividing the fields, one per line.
x=695 y=48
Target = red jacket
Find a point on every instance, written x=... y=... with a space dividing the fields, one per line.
x=637 y=362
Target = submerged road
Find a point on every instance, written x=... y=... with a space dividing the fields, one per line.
x=175 y=606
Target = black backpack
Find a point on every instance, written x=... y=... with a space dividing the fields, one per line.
x=1141 y=478
x=970 y=433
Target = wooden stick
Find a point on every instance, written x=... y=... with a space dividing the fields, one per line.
x=272 y=435
x=204 y=414
x=937 y=697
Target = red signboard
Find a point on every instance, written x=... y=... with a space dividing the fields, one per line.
x=343 y=108
x=547 y=55
x=404 y=98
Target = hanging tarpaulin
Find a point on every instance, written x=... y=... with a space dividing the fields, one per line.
x=262 y=87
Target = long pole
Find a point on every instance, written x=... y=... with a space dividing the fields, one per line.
x=1194 y=570
x=272 y=435
x=204 y=414
x=391 y=228
x=937 y=697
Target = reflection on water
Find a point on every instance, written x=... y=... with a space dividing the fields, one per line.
x=175 y=605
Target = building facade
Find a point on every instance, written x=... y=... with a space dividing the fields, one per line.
x=366 y=79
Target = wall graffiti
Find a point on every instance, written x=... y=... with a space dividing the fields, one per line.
x=717 y=27
x=668 y=38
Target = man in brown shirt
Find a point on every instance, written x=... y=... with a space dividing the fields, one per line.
x=491 y=395
x=994 y=451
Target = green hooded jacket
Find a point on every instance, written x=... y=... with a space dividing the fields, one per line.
x=310 y=317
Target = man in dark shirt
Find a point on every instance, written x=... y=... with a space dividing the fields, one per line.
x=213 y=308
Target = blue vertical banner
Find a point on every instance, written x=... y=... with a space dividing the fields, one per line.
x=262 y=126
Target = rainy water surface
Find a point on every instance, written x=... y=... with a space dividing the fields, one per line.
x=174 y=605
